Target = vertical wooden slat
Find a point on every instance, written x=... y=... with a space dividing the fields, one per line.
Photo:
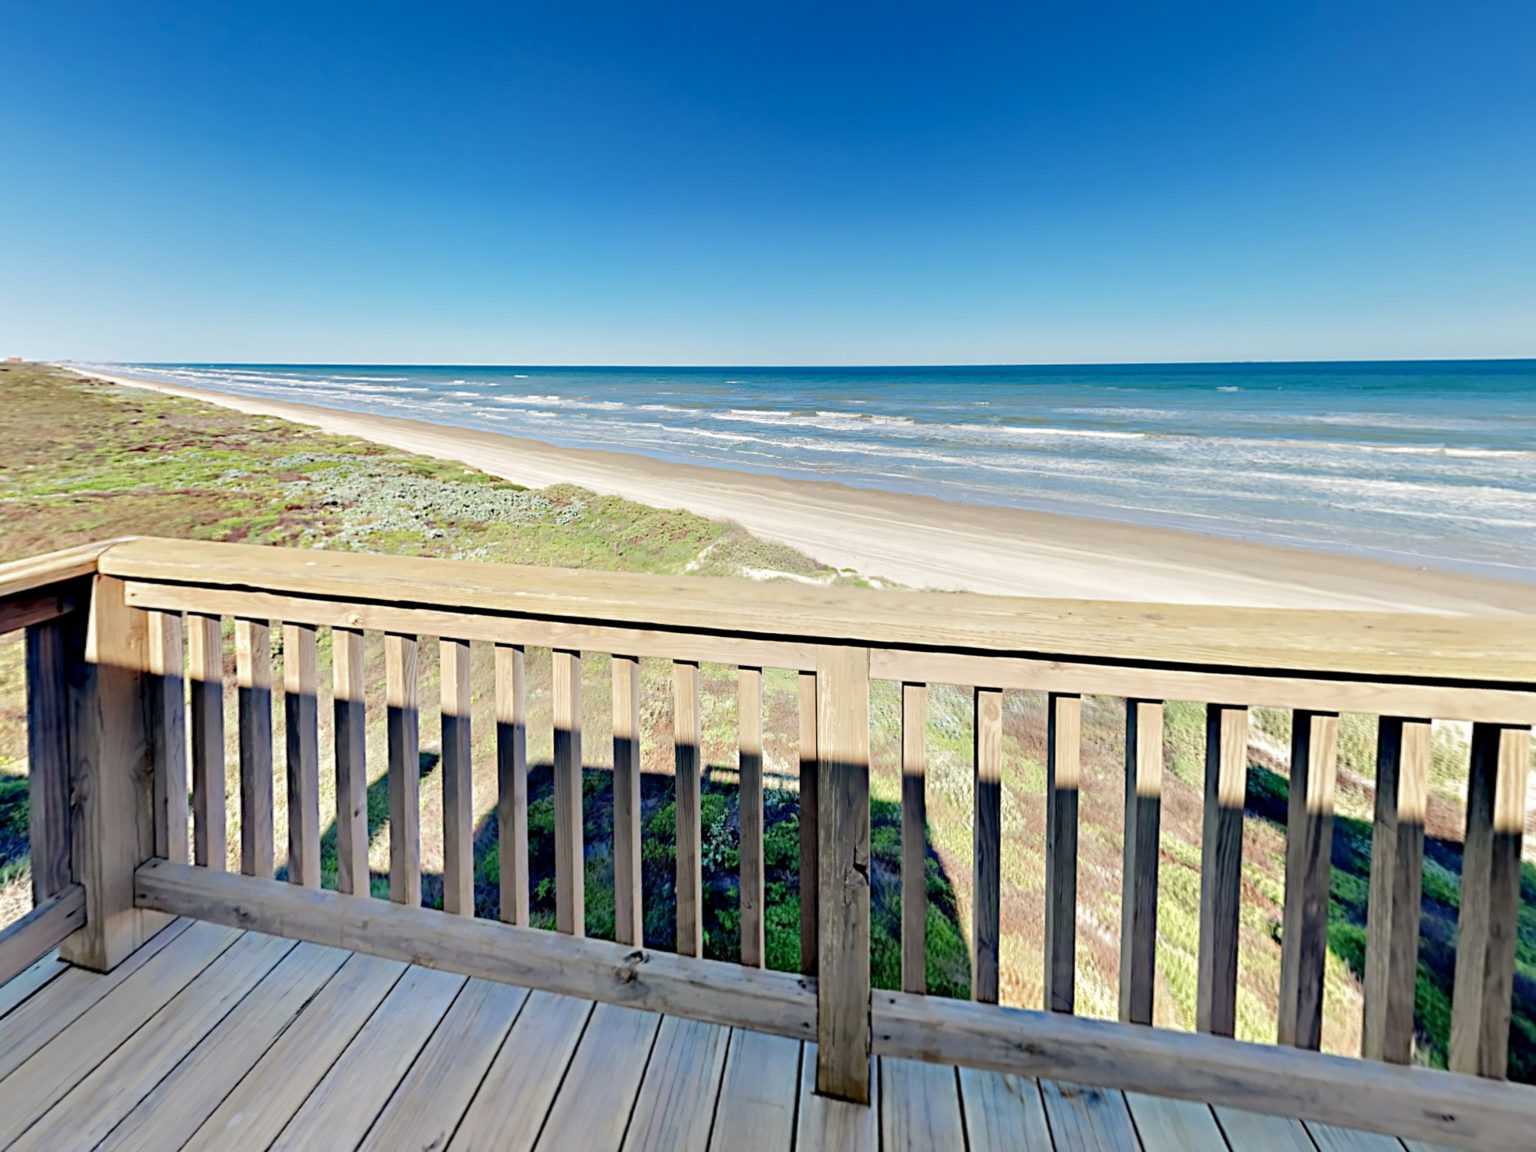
x=253 y=677
x=570 y=878
x=628 y=904
x=1487 y=928
x=749 y=700
x=52 y=650
x=512 y=784
x=914 y=838
x=168 y=733
x=842 y=998
x=1308 y=851
x=1397 y=885
x=205 y=667
x=1221 y=867
x=458 y=775
x=1064 y=726
x=113 y=816
x=809 y=814
x=301 y=710
x=987 y=884
x=402 y=723
x=690 y=874
x=1143 y=818
x=349 y=708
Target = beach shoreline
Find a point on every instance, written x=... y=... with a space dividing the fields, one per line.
x=924 y=541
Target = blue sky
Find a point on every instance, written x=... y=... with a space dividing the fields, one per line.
x=767 y=183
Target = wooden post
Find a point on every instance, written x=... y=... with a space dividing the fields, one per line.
x=168 y=734
x=1221 y=867
x=749 y=804
x=253 y=672
x=55 y=655
x=1487 y=929
x=113 y=818
x=349 y=708
x=402 y=702
x=686 y=752
x=1397 y=886
x=458 y=780
x=986 y=904
x=1143 y=816
x=1308 y=866
x=570 y=876
x=914 y=838
x=810 y=811
x=1063 y=776
x=628 y=900
x=302 y=727
x=842 y=996
x=205 y=667
x=511 y=784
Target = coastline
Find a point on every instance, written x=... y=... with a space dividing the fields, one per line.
x=926 y=542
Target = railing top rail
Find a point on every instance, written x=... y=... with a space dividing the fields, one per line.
x=19 y=577
x=1404 y=647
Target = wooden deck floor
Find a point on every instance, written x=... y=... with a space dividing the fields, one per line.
x=212 y=1038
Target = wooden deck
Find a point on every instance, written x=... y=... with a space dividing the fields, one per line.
x=213 y=1038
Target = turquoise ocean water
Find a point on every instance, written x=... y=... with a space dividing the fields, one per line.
x=1430 y=463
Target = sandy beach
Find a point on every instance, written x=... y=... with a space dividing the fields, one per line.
x=923 y=542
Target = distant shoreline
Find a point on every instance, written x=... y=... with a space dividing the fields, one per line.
x=924 y=541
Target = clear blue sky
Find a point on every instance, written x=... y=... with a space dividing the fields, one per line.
x=767 y=183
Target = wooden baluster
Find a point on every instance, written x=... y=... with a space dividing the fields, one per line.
x=402 y=701
x=1397 y=886
x=253 y=678
x=1487 y=928
x=168 y=734
x=205 y=660
x=301 y=709
x=458 y=780
x=1221 y=867
x=1143 y=817
x=52 y=650
x=570 y=877
x=690 y=875
x=1308 y=865
x=842 y=998
x=628 y=903
x=914 y=838
x=512 y=784
x=749 y=700
x=1063 y=779
x=349 y=709
x=809 y=814
x=986 y=908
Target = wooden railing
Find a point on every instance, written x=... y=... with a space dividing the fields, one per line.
x=156 y=618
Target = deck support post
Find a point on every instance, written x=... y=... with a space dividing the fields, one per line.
x=842 y=997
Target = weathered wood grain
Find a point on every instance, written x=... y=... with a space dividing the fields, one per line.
x=1308 y=867
x=349 y=707
x=914 y=838
x=1138 y=892
x=986 y=930
x=1002 y=1112
x=612 y=1053
x=676 y=1104
x=458 y=779
x=749 y=743
x=628 y=892
x=301 y=710
x=809 y=813
x=205 y=668
x=570 y=873
x=1221 y=867
x=38 y=932
x=919 y=1107
x=758 y=1092
x=1063 y=772
x=166 y=686
x=253 y=678
x=53 y=649
x=512 y=783
x=686 y=738
x=402 y=705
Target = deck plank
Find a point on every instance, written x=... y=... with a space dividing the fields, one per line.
x=676 y=1105
x=920 y=1107
x=70 y=1056
x=92 y=1108
x=1088 y=1119
x=1330 y=1138
x=339 y=1112
x=34 y=976
x=57 y=1005
x=508 y=1111
x=758 y=1094
x=1003 y=1113
x=172 y=1112
x=827 y=1125
x=256 y=1110
x=1166 y=1125
x=429 y=1102
x=1260 y=1132
x=613 y=1054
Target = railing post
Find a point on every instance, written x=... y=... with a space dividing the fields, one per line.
x=113 y=819
x=842 y=741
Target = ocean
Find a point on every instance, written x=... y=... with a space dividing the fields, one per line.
x=1425 y=463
